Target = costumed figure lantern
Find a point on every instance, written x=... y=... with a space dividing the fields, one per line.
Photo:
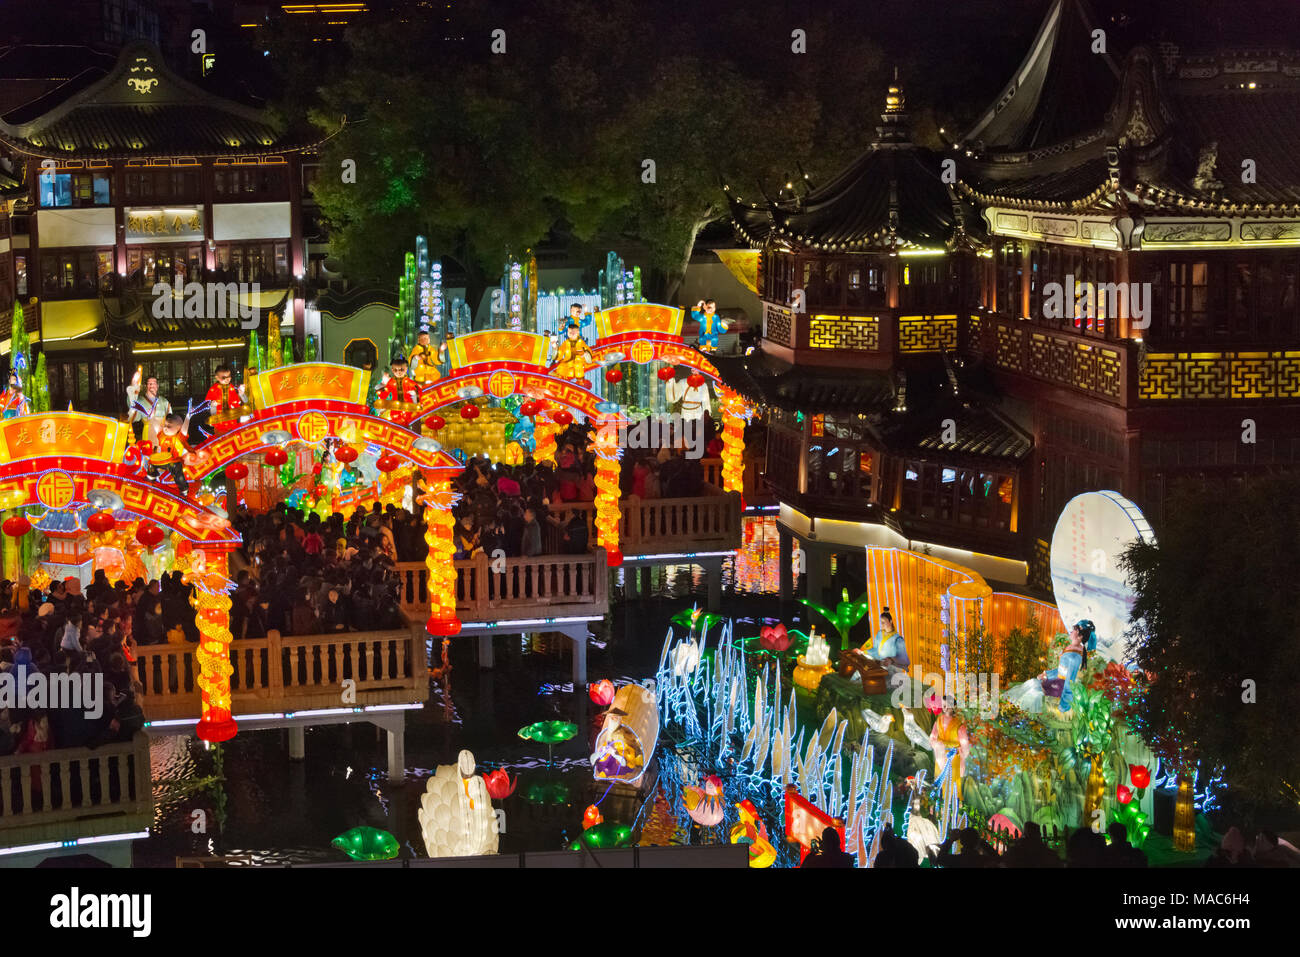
x=225 y=402
x=147 y=406
x=15 y=403
x=627 y=739
x=711 y=324
x=573 y=358
x=425 y=359
x=399 y=397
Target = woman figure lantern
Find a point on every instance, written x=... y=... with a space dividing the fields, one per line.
x=15 y=403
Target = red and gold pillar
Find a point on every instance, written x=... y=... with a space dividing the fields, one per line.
x=734 y=413
x=209 y=573
x=439 y=525
x=608 y=509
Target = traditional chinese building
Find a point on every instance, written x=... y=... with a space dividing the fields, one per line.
x=1095 y=289
x=111 y=188
x=876 y=435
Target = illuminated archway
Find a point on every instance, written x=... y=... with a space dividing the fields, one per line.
x=501 y=362
x=59 y=459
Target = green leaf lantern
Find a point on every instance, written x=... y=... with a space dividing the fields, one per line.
x=549 y=732
x=367 y=844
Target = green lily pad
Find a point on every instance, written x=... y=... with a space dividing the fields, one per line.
x=603 y=836
x=549 y=732
x=367 y=844
x=547 y=793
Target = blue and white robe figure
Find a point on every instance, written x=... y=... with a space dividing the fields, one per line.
x=711 y=325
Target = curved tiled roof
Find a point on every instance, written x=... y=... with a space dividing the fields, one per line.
x=140 y=108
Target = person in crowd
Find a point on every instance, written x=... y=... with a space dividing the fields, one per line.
x=827 y=852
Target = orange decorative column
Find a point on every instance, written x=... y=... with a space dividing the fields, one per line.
x=735 y=412
x=608 y=452
x=208 y=572
x=439 y=525
x=544 y=430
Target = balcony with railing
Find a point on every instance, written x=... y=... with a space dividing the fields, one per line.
x=280 y=675
x=70 y=794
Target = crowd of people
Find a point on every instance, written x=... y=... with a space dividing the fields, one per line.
x=312 y=576
x=61 y=631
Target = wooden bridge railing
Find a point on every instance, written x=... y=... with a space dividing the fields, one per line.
x=659 y=526
x=551 y=586
x=70 y=793
x=297 y=673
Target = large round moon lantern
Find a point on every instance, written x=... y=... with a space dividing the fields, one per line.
x=1090 y=536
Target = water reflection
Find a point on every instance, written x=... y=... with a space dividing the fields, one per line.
x=281 y=811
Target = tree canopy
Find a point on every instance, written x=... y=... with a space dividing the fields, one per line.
x=489 y=153
x=1216 y=631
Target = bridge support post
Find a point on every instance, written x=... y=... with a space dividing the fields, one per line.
x=577 y=633
x=297 y=742
x=647 y=585
x=397 y=750
x=485 y=655
x=713 y=569
x=786 y=562
x=631 y=579
x=817 y=571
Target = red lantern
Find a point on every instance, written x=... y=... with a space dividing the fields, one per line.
x=695 y=380
x=500 y=784
x=563 y=417
x=236 y=471
x=614 y=376
x=435 y=422
x=469 y=411
x=1139 y=775
x=276 y=456
x=1123 y=794
x=345 y=454
x=530 y=408
x=387 y=463
x=602 y=692
x=16 y=526
x=666 y=374
x=591 y=817
x=148 y=534
x=101 y=522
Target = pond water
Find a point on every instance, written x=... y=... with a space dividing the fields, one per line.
x=279 y=811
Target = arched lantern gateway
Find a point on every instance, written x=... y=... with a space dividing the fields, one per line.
x=63 y=460
x=315 y=401
x=501 y=363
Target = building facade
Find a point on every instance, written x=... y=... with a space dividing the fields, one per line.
x=136 y=187
x=1125 y=300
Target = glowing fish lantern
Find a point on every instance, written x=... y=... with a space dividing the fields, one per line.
x=591 y=817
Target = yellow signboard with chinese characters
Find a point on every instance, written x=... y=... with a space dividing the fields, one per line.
x=309 y=381
x=639 y=317
x=149 y=224
x=498 y=345
x=62 y=433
